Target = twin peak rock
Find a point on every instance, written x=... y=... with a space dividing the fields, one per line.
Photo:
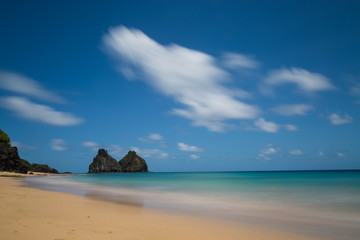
x=104 y=163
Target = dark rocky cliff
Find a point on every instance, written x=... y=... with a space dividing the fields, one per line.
x=10 y=160
x=103 y=162
x=133 y=163
x=9 y=157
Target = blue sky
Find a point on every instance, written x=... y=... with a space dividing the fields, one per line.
x=189 y=85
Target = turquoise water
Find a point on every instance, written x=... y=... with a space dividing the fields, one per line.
x=325 y=188
x=319 y=203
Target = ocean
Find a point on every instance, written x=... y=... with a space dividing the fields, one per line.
x=320 y=203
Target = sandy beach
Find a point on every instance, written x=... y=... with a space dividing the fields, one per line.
x=27 y=213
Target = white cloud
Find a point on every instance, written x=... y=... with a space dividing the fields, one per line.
x=38 y=112
x=336 y=119
x=296 y=152
x=90 y=144
x=269 y=150
x=306 y=81
x=58 y=145
x=154 y=138
x=18 y=83
x=341 y=155
x=291 y=127
x=190 y=77
x=292 y=109
x=155 y=153
x=265 y=153
x=235 y=61
x=93 y=145
x=267 y=126
x=194 y=156
x=321 y=154
x=264 y=157
x=189 y=148
x=22 y=146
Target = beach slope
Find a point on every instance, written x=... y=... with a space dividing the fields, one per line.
x=27 y=213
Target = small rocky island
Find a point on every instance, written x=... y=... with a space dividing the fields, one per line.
x=104 y=163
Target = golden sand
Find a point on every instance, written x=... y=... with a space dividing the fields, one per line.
x=27 y=213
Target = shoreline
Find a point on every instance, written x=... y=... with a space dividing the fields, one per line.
x=28 y=213
x=328 y=223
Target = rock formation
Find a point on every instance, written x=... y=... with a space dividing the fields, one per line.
x=133 y=163
x=103 y=162
x=44 y=168
x=10 y=160
x=9 y=157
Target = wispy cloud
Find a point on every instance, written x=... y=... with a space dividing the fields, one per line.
x=155 y=138
x=189 y=148
x=29 y=110
x=291 y=127
x=269 y=150
x=239 y=61
x=336 y=119
x=263 y=125
x=292 y=109
x=20 y=84
x=194 y=156
x=190 y=77
x=155 y=153
x=93 y=145
x=58 y=144
x=341 y=155
x=296 y=152
x=266 y=152
x=306 y=81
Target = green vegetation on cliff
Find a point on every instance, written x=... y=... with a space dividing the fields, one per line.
x=4 y=138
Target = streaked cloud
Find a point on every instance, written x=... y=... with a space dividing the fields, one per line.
x=17 y=83
x=239 y=61
x=155 y=138
x=263 y=125
x=58 y=144
x=296 y=152
x=269 y=150
x=154 y=153
x=265 y=153
x=321 y=154
x=29 y=110
x=336 y=119
x=291 y=127
x=307 y=82
x=341 y=155
x=189 y=148
x=190 y=77
x=93 y=145
x=194 y=156
x=292 y=109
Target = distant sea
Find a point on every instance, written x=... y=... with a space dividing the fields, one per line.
x=320 y=203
